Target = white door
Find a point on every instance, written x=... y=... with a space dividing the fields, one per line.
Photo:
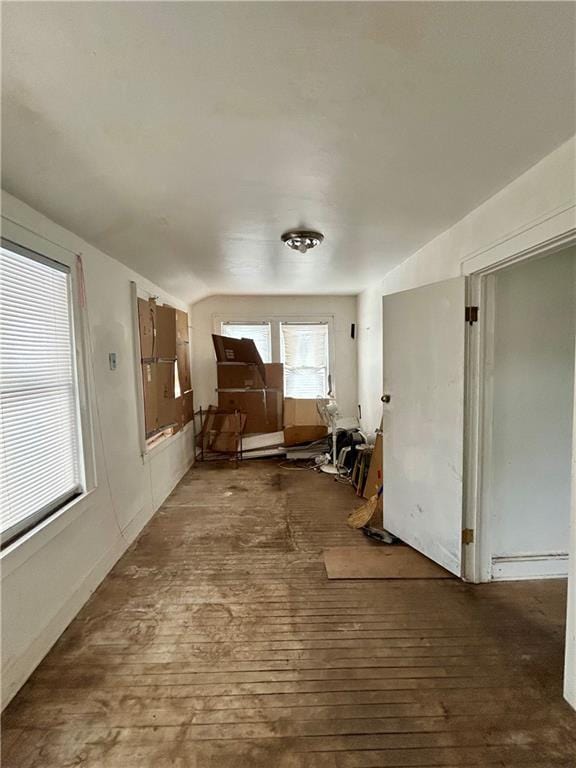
x=423 y=422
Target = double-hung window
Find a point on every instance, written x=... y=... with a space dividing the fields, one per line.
x=259 y=333
x=304 y=352
x=41 y=465
x=302 y=345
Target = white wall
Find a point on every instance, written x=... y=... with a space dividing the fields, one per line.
x=341 y=308
x=47 y=576
x=532 y=384
x=536 y=206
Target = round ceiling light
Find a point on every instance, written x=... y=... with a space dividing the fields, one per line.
x=302 y=239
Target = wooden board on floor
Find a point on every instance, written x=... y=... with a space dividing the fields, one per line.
x=380 y=562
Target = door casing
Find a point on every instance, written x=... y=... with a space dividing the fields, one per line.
x=478 y=405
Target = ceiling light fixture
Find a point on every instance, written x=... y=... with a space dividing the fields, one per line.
x=302 y=239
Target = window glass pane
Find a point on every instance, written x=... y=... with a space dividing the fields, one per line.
x=304 y=350
x=258 y=332
x=40 y=464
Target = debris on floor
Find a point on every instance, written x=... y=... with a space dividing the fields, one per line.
x=379 y=534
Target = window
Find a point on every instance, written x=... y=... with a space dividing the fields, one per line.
x=258 y=332
x=304 y=350
x=41 y=467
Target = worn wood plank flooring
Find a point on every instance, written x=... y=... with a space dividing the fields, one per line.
x=218 y=642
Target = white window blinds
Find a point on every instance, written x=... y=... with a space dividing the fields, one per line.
x=40 y=465
x=305 y=356
x=258 y=332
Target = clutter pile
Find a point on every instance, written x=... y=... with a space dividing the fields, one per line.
x=253 y=419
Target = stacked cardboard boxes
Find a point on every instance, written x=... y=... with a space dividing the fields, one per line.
x=248 y=385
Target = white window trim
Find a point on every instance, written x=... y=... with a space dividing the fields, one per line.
x=275 y=321
x=28 y=240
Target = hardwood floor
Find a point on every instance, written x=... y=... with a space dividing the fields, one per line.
x=218 y=642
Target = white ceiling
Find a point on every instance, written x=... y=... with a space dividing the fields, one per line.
x=184 y=138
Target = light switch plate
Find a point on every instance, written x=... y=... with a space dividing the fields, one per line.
x=112 y=360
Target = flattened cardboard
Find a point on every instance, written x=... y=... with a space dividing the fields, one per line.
x=374 y=477
x=150 y=386
x=183 y=358
x=228 y=430
x=187 y=407
x=299 y=435
x=165 y=332
x=166 y=400
x=301 y=412
x=237 y=351
x=384 y=562
x=182 y=334
x=147 y=326
x=184 y=409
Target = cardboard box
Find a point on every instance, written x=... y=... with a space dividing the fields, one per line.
x=150 y=386
x=263 y=408
x=147 y=326
x=183 y=358
x=237 y=351
x=299 y=435
x=167 y=414
x=274 y=376
x=302 y=421
x=165 y=332
x=248 y=376
x=239 y=376
x=301 y=412
x=182 y=333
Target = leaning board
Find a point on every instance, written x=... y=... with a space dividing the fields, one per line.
x=380 y=562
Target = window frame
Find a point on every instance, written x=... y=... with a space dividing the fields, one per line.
x=275 y=321
x=250 y=322
x=19 y=239
x=301 y=323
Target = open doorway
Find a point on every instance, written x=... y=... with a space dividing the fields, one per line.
x=526 y=402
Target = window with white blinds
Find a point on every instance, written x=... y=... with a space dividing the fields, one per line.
x=258 y=332
x=304 y=350
x=40 y=447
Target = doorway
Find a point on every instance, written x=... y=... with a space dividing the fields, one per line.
x=526 y=401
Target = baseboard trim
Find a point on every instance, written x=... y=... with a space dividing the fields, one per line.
x=553 y=565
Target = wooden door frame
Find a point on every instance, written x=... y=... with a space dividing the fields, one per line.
x=480 y=337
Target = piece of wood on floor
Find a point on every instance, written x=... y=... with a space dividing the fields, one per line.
x=380 y=562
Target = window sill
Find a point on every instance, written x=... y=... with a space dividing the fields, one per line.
x=16 y=553
x=165 y=443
